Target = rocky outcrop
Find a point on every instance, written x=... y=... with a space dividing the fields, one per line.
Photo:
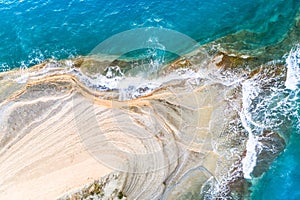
x=62 y=135
x=54 y=126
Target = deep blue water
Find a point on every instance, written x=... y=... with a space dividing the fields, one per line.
x=32 y=31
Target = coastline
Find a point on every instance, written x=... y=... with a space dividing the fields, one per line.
x=213 y=100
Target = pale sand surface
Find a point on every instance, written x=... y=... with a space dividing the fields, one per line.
x=58 y=135
x=47 y=161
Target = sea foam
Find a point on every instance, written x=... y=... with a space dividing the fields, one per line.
x=250 y=91
x=293 y=69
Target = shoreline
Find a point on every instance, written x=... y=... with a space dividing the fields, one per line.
x=180 y=98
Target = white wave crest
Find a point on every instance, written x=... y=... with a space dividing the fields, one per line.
x=249 y=161
x=293 y=69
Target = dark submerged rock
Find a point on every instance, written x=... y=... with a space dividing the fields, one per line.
x=272 y=144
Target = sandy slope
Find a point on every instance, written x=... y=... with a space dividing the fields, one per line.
x=58 y=135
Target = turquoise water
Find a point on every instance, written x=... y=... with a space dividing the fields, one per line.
x=282 y=180
x=33 y=31
x=279 y=109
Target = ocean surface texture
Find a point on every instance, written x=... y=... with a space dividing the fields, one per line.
x=254 y=45
x=33 y=31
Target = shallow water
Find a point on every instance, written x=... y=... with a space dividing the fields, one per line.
x=281 y=181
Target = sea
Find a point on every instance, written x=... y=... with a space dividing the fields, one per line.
x=34 y=31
